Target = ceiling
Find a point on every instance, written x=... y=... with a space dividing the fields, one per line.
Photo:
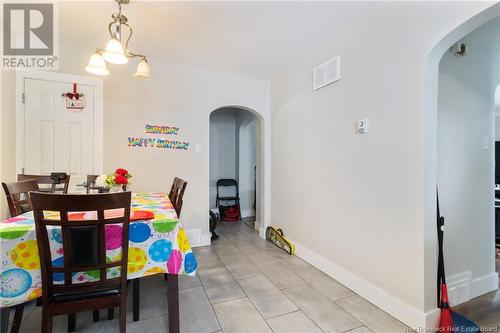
x=259 y=39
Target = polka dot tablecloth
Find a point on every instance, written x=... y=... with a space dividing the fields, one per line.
x=159 y=245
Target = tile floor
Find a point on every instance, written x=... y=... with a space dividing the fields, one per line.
x=245 y=284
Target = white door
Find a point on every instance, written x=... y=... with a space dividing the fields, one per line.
x=57 y=139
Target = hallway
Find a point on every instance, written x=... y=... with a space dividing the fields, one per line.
x=246 y=284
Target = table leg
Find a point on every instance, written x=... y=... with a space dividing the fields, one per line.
x=4 y=320
x=18 y=317
x=136 y=288
x=173 y=303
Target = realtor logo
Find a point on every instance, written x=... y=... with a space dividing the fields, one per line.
x=29 y=36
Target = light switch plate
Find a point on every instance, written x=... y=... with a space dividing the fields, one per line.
x=198 y=148
x=363 y=126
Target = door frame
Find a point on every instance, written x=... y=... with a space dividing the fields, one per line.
x=97 y=84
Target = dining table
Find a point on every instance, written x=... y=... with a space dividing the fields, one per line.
x=158 y=244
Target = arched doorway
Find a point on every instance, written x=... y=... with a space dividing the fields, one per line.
x=431 y=153
x=236 y=152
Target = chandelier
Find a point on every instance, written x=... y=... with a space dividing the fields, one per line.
x=114 y=53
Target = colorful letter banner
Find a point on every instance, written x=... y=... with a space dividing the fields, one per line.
x=157 y=143
x=165 y=130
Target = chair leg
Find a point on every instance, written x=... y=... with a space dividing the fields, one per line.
x=173 y=303
x=71 y=322
x=18 y=317
x=96 y=315
x=123 y=314
x=136 y=297
x=4 y=320
x=46 y=322
x=111 y=313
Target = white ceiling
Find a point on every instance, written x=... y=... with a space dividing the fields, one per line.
x=259 y=39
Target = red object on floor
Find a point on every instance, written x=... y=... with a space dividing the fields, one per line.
x=445 y=321
x=230 y=214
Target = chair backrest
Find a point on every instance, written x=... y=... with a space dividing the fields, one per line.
x=177 y=193
x=53 y=183
x=228 y=183
x=173 y=189
x=91 y=183
x=17 y=195
x=84 y=241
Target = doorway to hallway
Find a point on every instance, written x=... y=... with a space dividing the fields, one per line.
x=235 y=165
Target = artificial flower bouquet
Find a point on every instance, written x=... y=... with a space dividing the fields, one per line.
x=119 y=178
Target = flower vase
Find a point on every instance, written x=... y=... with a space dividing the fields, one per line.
x=116 y=189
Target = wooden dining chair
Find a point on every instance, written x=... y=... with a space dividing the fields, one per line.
x=177 y=193
x=17 y=195
x=92 y=186
x=19 y=203
x=53 y=183
x=173 y=189
x=84 y=250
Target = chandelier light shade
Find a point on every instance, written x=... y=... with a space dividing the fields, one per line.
x=143 y=70
x=115 y=52
x=97 y=65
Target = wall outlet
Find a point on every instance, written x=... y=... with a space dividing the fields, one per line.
x=362 y=126
x=198 y=148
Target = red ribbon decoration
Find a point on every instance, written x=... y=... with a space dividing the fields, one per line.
x=74 y=94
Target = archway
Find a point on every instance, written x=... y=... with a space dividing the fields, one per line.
x=430 y=153
x=237 y=151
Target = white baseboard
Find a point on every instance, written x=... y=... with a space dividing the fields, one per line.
x=399 y=309
x=196 y=238
x=262 y=232
x=205 y=239
x=459 y=286
x=462 y=288
x=431 y=318
x=247 y=213
x=483 y=285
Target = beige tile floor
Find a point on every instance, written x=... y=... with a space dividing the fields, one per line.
x=245 y=284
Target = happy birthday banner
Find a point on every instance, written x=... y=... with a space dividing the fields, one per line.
x=158 y=142
x=155 y=129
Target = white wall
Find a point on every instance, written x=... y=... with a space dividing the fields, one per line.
x=363 y=222
x=497 y=113
x=179 y=95
x=497 y=128
x=466 y=117
x=247 y=125
x=222 y=148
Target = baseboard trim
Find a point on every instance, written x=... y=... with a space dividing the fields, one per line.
x=397 y=308
x=484 y=284
x=262 y=232
x=196 y=238
x=247 y=213
x=459 y=286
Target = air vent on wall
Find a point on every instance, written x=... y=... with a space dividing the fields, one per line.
x=326 y=73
